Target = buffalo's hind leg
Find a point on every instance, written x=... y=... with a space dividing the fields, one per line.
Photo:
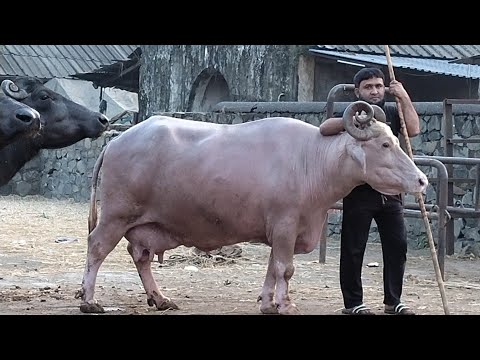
x=101 y=241
x=143 y=258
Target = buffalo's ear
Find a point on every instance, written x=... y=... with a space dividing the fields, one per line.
x=356 y=152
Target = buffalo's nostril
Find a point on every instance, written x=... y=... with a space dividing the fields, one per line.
x=27 y=115
x=103 y=119
x=422 y=182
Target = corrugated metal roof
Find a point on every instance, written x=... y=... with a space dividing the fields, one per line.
x=450 y=52
x=58 y=61
x=437 y=66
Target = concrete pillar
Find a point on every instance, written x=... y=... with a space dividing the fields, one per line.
x=306 y=77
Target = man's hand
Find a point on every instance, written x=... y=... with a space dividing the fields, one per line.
x=410 y=116
x=396 y=89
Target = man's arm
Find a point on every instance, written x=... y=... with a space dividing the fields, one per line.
x=410 y=115
x=331 y=126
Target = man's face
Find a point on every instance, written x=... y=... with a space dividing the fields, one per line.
x=371 y=91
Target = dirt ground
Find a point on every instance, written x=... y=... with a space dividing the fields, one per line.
x=43 y=251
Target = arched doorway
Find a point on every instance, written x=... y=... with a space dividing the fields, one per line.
x=209 y=88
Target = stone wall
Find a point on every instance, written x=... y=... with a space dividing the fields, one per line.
x=67 y=172
x=60 y=173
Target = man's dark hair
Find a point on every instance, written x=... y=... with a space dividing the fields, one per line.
x=367 y=73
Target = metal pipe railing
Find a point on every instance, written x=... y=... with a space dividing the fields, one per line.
x=409 y=211
x=466 y=212
x=332 y=95
x=442 y=201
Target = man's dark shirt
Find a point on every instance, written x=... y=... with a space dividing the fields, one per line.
x=393 y=119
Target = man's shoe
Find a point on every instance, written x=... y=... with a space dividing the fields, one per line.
x=399 y=309
x=358 y=310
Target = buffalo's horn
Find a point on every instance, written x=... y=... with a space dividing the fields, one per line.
x=12 y=90
x=379 y=114
x=351 y=118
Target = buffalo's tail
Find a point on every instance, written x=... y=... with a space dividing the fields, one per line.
x=92 y=216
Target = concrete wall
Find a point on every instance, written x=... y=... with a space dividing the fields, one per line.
x=66 y=173
x=173 y=77
x=168 y=73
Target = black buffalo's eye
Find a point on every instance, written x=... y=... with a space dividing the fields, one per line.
x=44 y=97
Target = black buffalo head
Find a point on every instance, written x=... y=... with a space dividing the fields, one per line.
x=66 y=122
x=16 y=119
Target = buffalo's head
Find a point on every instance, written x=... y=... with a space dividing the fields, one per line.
x=66 y=121
x=384 y=164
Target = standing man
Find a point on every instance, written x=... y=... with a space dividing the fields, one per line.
x=364 y=204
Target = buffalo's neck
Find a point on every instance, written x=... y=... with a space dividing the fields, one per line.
x=14 y=156
x=334 y=174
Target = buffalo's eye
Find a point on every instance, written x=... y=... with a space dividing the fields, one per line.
x=386 y=145
x=44 y=97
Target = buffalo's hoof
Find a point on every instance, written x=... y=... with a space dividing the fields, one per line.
x=269 y=309
x=290 y=309
x=91 y=308
x=167 y=305
x=164 y=304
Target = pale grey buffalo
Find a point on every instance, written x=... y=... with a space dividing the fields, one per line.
x=168 y=182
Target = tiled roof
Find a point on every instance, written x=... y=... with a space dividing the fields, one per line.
x=58 y=61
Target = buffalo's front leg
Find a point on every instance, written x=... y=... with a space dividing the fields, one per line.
x=268 y=305
x=283 y=237
x=143 y=259
x=284 y=270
